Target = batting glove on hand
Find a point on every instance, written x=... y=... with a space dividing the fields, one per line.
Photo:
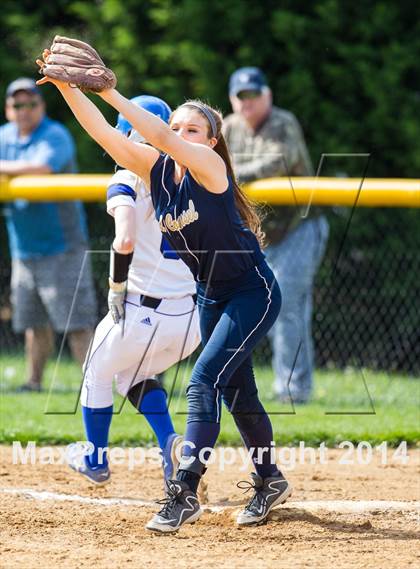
x=116 y=299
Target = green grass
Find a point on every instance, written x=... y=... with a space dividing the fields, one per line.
x=340 y=410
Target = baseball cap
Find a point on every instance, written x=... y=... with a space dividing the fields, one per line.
x=22 y=84
x=152 y=104
x=246 y=79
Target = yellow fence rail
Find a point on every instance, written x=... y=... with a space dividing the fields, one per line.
x=370 y=192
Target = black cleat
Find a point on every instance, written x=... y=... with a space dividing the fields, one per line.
x=180 y=507
x=268 y=493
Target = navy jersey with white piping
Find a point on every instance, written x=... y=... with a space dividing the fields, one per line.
x=203 y=227
x=155 y=270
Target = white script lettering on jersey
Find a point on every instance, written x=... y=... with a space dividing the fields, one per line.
x=155 y=269
x=185 y=218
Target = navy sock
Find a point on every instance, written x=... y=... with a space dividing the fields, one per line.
x=155 y=408
x=97 y=423
x=190 y=478
x=258 y=435
x=202 y=435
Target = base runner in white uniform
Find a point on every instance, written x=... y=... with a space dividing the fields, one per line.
x=152 y=323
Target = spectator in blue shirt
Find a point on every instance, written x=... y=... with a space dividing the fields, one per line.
x=52 y=288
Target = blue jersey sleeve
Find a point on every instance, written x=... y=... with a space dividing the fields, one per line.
x=56 y=150
x=120 y=189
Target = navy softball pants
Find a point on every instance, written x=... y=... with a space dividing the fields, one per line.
x=234 y=316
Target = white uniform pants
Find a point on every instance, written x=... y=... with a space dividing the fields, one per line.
x=146 y=343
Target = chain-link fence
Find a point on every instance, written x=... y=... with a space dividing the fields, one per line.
x=366 y=295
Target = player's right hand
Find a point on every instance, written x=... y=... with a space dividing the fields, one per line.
x=116 y=300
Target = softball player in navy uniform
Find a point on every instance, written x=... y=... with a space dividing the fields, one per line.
x=210 y=223
x=152 y=323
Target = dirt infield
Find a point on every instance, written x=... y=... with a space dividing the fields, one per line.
x=337 y=517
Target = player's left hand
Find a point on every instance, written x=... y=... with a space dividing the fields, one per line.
x=76 y=63
x=116 y=299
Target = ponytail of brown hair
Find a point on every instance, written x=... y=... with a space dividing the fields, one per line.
x=246 y=208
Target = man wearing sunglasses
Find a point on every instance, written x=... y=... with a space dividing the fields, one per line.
x=266 y=141
x=47 y=240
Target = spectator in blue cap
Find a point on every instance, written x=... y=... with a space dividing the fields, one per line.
x=266 y=141
x=47 y=240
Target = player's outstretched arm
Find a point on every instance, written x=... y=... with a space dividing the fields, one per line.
x=60 y=66
x=138 y=158
x=199 y=158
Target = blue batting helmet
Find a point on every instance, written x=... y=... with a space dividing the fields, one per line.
x=152 y=104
